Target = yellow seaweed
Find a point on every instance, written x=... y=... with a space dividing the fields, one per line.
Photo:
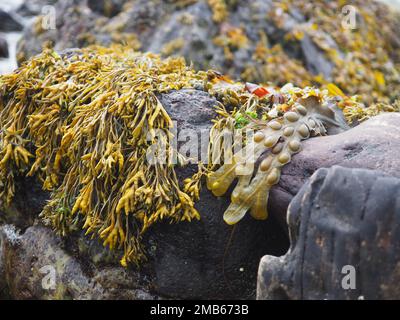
x=81 y=124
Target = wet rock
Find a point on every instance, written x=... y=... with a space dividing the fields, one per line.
x=3 y=48
x=108 y=8
x=8 y=22
x=194 y=35
x=375 y=144
x=28 y=203
x=201 y=259
x=36 y=266
x=345 y=240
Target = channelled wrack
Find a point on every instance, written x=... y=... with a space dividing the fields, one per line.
x=82 y=123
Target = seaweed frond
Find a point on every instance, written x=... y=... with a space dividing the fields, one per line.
x=280 y=120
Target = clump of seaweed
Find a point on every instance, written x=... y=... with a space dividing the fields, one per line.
x=281 y=120
x=219 y=9
x=83 y=123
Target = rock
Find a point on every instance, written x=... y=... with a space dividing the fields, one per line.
x=345 y=240
x=28 y=203
x=155 y=23
x=3 y=48
x=3 y=284
x=77 y=26
x=315 y=60
x=213 y=268
x=374 y=144
x=8 y=22
x=108 y=8
x=204 y=259
x=33 y=259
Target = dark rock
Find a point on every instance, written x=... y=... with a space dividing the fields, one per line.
x=3 y=48
x=375 y=144
x=201 y=259
x=8 y=22
x=340 y=217
x=28 y=203
x=108 y=8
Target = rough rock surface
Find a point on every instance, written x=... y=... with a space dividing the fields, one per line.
x=341 y=217
x=375 y=144
x=32 y=258
x=200 y=259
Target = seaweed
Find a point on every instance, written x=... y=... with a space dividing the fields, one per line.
x=82 y=123
x=279 y=121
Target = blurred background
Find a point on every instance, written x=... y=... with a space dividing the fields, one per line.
x=354 y=44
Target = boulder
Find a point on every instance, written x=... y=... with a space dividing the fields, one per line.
x=8 y=22
x=187 y=30
x=345 y=240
